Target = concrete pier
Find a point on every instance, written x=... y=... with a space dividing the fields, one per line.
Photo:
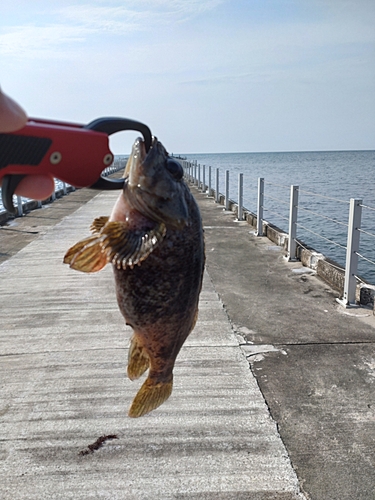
x=273 y=396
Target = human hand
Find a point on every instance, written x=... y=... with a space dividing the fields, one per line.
x=12 y=118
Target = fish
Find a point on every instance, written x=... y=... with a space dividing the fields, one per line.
x=155 y=243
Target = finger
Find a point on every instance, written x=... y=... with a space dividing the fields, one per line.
x=12 y=116
x=37 y=187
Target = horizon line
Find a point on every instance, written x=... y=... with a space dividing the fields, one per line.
x=285 y=151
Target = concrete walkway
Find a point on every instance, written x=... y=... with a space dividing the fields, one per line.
x=63 y=352
x=313 y=360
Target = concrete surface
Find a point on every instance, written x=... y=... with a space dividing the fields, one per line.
x=314 y=361
x=63 y=351
x=17 y=233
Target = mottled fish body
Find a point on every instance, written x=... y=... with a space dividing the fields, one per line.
x=154 y=240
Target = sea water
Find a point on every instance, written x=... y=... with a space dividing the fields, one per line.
x=335 y=177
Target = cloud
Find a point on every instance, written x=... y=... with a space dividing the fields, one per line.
x=77 y=23
x=201 y=69
x=136 y=15
x=236 y=79
x=31 y=41
x=99 y=19
x=139 y=15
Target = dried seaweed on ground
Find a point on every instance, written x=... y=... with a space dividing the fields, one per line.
x=98 y=444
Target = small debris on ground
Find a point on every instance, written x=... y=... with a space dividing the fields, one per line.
x=98 y=444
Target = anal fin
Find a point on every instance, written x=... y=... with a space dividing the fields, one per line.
x=138 y=360
x=150 y=396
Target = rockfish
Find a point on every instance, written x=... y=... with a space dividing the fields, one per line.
x=154 y=240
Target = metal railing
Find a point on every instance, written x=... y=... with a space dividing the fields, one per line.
x=292 y=206
x=61 y=189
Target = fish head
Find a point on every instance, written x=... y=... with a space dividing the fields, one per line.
x=155 y=185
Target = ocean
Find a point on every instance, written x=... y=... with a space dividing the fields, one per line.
x=334 y=177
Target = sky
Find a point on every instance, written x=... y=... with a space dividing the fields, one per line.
x=207 y=76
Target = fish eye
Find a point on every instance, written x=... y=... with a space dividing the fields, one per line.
x=175 y=169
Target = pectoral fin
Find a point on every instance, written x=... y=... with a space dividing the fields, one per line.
x=86 y=256
x=125 y=248
x=113 y=242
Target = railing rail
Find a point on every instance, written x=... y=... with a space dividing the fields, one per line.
x=196 y=174
x=352 y=227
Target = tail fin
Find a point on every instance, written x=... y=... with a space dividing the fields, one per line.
x=150 y=396
x=138 y=360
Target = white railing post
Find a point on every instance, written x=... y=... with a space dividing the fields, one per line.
x=240 y=197
x=352 y=249
x=217 y=198
x=293 y=214
x=260 y=206
x=199 y=176
x=203 y=178
x=195 y=174
x=19 y=206
x=53 y=195
x=227 y=190
x=209 y=181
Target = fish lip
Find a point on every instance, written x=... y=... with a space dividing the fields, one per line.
x=140 y=152
x=135 y=161
x=141 y=159
x=137 y=158
x=142 y=146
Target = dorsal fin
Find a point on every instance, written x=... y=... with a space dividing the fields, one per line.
x=98 y=224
